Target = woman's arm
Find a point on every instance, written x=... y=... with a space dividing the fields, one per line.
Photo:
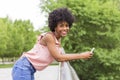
x=50 y=42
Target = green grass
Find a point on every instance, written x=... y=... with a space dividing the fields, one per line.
x=6 y=65
x=11 y=65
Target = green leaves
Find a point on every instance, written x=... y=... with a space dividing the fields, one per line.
x=15 y=37
x=97 y=25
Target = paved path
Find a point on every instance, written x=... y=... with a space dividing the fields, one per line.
x=50 y=73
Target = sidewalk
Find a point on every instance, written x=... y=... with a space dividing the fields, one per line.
x=50 y=73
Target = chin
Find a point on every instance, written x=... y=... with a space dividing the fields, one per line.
x=64 y=35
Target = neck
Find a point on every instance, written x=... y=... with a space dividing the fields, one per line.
x=57 y=36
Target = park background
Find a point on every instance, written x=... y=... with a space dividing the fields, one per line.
x=97 y=25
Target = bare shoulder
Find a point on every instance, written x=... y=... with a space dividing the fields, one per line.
x=49 y=37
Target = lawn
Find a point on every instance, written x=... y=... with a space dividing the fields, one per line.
x=6 y=65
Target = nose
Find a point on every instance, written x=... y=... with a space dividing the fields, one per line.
x=66 y=27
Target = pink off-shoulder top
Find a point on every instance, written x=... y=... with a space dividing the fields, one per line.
x=39 y=56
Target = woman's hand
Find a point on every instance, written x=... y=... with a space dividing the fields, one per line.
x=86 y=55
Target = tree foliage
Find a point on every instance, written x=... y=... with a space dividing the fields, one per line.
x=97 y=25
x=15 y=37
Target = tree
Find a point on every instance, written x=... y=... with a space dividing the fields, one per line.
x=3 y=38
x=26 y=31
x=97 y=25
x=16 y=37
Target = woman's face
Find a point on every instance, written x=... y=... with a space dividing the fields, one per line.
x=62 y=29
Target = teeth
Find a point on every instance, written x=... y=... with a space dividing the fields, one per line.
x=64 y=32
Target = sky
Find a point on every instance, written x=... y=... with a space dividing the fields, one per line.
x=24 y=10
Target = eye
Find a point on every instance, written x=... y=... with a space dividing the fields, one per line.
x=61 y=25
x=64 y=25
x=67 y=25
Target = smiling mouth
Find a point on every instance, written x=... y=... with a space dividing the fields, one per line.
x=64 y=33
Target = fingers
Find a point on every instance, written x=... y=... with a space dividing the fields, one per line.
x=90 y=55
x=87 y=55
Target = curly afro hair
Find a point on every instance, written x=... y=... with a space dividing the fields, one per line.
x=58 y=15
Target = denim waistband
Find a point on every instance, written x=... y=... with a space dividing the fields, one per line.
x=25 y=64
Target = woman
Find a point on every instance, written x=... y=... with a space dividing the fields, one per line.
x=48 y=47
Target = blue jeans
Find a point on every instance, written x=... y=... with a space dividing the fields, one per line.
x=23 y=70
